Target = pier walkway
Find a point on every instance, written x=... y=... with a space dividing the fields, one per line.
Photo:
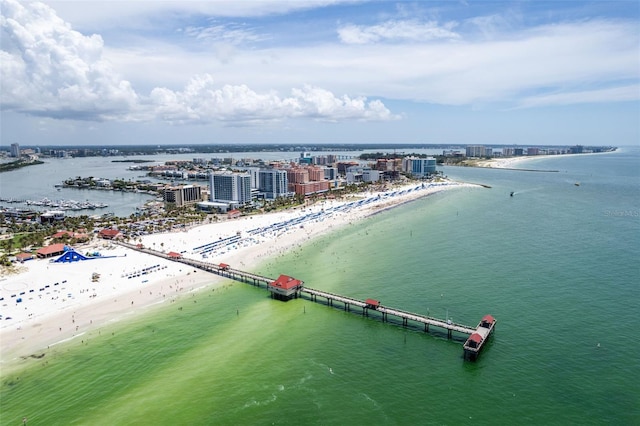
x=385 y=312
x=366 y=306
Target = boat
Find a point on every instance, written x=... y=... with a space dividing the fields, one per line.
x=511 y=195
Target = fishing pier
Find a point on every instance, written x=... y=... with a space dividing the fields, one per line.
x=286 y=288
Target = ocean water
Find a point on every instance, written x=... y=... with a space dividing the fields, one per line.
x=556 y=264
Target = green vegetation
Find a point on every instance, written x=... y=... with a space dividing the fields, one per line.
x=132 y=161
x=18 y=164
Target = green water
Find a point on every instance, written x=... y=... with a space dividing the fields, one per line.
x=557 y=265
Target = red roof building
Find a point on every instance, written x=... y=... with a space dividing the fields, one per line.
x=21 y=257
x=109 y=234
x=223 y=266
x=372 y=303
x=51 y=250
x=174 y=255
x=474 y=340
x=285 y=287
x=487 y=321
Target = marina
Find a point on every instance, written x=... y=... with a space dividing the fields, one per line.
x=57 y=204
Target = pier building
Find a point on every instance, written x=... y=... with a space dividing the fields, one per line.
x=476 y=340
x=285 y=287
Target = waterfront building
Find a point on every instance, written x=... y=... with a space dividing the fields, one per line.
x=15 y=150
x=231 y=188
x=309 y=188
x=533 y=151
x=273 y=183
x=419 y=167
x=52 y=216
x=182 y=195
x=475 y=151
x=507 y=152
x=356 y=174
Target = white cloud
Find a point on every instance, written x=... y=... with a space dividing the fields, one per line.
x=50 y=70
x=103 y=14
x=234 y=34
x=615 y=94
x=202 y=101
x=397 y=31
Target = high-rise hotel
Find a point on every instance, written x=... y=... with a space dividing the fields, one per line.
x=233 y=188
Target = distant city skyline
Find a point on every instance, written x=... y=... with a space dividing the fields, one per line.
x=320 y=72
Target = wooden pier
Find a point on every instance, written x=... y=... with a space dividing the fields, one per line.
x=285 y=288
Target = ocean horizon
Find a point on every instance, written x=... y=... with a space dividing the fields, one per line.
x=556 y=264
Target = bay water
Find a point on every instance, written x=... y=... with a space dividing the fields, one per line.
x=556 y=264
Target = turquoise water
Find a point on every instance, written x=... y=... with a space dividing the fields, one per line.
x=556 y=264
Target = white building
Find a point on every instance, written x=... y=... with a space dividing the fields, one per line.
x=232 y=188
x=476 y=151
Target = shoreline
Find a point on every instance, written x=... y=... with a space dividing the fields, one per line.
x=61 y=303
x=510 y=163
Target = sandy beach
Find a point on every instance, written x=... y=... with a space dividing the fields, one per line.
x=47 y=303
x=516 y=162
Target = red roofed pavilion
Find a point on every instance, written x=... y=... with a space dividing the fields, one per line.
x=174 y=255
x=109 y=234
x=372 y=303
x=474 y=340
x=51 y=250
x=285 y=287
x=487 y=321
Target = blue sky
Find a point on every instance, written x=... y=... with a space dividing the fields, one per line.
x=320 y=71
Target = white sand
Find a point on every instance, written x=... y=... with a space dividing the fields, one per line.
x=516 y=162
x=508 y=163
x=61 y=302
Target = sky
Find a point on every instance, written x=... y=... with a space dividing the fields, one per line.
x=320 y=72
